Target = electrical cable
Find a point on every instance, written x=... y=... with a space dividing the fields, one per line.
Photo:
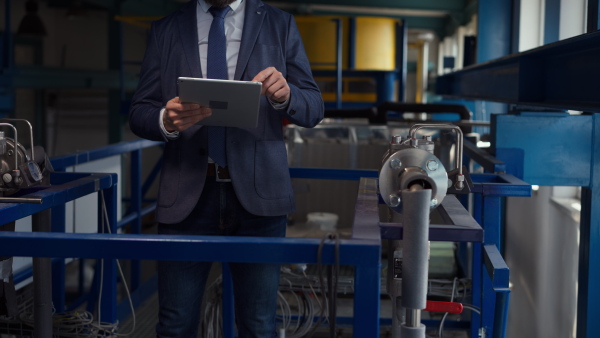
x=212 y=322
x=305 y=309
x=440 y=329
x=324 y=290
x=81 y=324
x=105 y=217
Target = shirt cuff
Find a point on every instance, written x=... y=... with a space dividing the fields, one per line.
x=171 y=136
x=279 y=106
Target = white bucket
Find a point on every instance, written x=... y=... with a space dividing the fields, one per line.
x=326 y=221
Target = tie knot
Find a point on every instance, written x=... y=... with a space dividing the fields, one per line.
x=219 y=12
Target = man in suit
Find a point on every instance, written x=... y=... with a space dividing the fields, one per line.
x=250 y=195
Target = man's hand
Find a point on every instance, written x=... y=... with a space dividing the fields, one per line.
x=274 y=85
x=180 y=116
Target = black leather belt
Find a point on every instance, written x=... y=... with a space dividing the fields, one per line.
x=221 y=174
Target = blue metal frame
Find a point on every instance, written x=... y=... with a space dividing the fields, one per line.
x=498 y=273
x=366 y=232
x=559 y=75
x=362 y=252
x=401 y=57
x=494 y=29
x=491 y=290
x=133 y=215
x=484 y=159
x=64 y=188
x=489 y=191
x=571 y=144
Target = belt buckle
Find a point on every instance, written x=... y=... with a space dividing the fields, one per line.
x=217 y=177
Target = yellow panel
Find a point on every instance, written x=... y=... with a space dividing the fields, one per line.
x=319 y=38
x=375 y=43
x=347 y=95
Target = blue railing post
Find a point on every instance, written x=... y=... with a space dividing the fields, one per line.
x=366 y=300
x=228 y=302
x=108 y=281
x=58 y=265
x=136 y=207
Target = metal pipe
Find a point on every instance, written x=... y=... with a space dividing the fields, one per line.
x=459 y=142
x=30 y=134
x=413 y=317
x=16 y=142
x=338 y=64
x=413 y=332
x=42 y=282
x=32 y=200
x=416 y=248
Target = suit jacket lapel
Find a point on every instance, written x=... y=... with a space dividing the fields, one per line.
x=253 y=20
x=189 y=37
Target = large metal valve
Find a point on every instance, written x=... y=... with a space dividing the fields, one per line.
x=20 y=167
x=411 y=162
x=412 y=182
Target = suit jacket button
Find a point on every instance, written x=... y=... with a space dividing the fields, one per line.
x=202 y=151
x=292 y=112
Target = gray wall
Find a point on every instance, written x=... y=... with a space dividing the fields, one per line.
x=542 y=241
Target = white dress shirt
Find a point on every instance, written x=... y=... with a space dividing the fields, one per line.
x=234 y=24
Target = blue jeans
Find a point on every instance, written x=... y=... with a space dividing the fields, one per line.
x=181 y=284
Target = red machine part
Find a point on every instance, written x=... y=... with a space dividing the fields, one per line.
x=450 y=307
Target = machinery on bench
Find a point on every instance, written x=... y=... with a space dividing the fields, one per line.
x=20 y=167
x=413 y=182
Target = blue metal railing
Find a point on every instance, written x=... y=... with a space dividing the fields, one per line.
x=133 y=216
x=490 y=188
x=488 y=200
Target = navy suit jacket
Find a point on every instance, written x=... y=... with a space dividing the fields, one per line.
x=257 y=158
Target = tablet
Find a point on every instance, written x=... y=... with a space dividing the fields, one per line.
x=233 y=103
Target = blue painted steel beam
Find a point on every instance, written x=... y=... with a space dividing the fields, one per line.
x=494 y=33
x=483 y=158
x=499 y=276
x=58 y=265
x=555 y=149
x=589 y=248
x=496 y=267
x=107 y=223
x=500 y=185
x=559 y=75
x=338 y=64
x=401 y=57
x=62 y=162
x=197 y=248
x=351 y=42
x=363 y=253
x=69 y=187
x=551 y=21
x=135 y=179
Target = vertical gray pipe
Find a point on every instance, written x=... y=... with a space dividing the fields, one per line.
x=416 y=247
x=413 y=332
x=42 y=282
